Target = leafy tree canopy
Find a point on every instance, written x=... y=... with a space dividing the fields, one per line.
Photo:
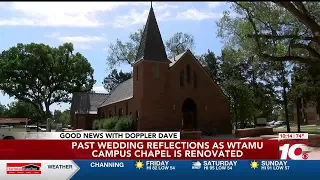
x=3 y=110
x=62 y=117
x=42 y=75
x=276 y=31
x=114 y=79
x=20 y=109
x=125 y=52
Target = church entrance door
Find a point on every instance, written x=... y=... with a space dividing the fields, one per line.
x=189 y=115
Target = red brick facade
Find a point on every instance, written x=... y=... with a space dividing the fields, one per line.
x=83 y=121
x=158 y=98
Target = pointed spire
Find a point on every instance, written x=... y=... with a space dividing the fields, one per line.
x=151 y=44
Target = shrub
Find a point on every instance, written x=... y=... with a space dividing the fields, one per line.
x=101 y=124
x=96 y=124
x=124 y=124
x=110 y=123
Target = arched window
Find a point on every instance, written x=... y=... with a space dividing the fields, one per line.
x=188 y=74
x=182 y=78
x=195 y=80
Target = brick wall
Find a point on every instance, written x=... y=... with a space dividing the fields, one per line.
x=83 y=121
x=159 y=100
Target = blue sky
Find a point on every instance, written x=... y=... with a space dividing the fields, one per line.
x=91 y=26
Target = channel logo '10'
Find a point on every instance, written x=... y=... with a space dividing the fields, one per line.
x=293 y=150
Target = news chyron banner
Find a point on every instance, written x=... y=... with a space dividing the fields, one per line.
x=156 y=155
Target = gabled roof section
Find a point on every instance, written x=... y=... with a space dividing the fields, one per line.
x=177 y=58
x=96 y=100
x=87 y=103
x=151 y=45
x=123 y=91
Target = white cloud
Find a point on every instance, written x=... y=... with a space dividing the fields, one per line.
x=82 y=39
x=88 y=14
x=99 y=89
x=194 y=14
x=135 y=17
x=161 y=6
x=80 y=42
x=214 y=4
x=162 y=11
x=57 y=14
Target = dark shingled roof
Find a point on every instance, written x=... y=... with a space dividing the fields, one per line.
x=85 y=102
x=151 y=44
x=122 y=92
x=151 y=48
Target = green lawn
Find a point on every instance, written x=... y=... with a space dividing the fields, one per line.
x=305 y=129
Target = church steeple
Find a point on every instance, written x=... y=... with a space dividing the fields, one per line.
x=151 y=44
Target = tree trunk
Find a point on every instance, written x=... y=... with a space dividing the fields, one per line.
x=48 y=114
x=284 y=96
x=298 y=107
x=236 y=116
x=285 y=103
x=242 y=125
x=255 y=92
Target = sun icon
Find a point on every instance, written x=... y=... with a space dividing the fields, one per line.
x=254 y=164
x=139 y=164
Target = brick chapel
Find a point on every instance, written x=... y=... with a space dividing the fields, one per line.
x=163 y=94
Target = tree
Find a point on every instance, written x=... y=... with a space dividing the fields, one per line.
x=57 y=115
x=42 y=75
x=307 y=13
x=280 y=31
x=125 y=52
x=305 y=83
x=65 y=118
x=114 y=79
x=305 y=89
x=3 y=110
x=179 y=43
x=234 y=83
x=20 y=109
x=293 y=25
x=211 y=64
x=250 y=33
x=282 y=71
x=62 y=117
